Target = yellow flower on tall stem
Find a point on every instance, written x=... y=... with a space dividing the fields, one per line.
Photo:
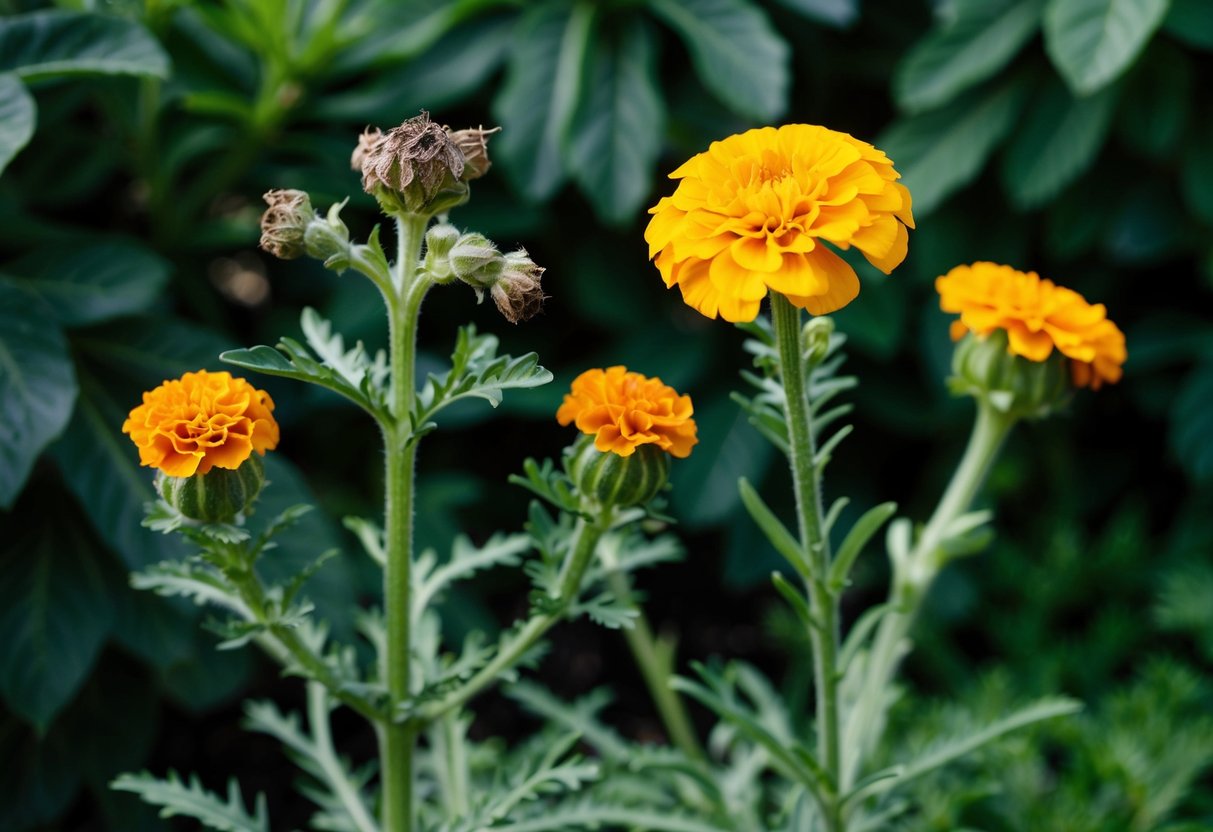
x=202 y=420
x=764 y=210
x=1038 y=316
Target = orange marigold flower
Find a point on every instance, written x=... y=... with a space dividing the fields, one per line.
x=754 y=213
x=1037 y=316
x=624 y=410
x=189 y=425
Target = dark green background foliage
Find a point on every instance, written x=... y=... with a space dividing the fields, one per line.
x=1073 y=137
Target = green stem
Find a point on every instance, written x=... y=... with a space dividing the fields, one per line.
x=805 y=481
x=912 y=579
x=397 y=737
x=585 y=541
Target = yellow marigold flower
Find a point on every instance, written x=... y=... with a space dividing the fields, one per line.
x=189 y=425
x=1037 y=316
x=624 y=410
x=755 y=212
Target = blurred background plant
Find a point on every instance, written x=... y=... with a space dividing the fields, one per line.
x=1073 y=137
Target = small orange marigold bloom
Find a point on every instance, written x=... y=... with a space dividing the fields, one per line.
x=189 y=425
x=1037 y=316
x=623 y=410
x=757 y=210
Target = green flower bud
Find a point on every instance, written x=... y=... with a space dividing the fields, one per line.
x=476 y=261
x=608 y=479
x=328 y=239
x=815 y=339
x=985 y=369
x=439 y=241
x=285 y=222
x=218 y=496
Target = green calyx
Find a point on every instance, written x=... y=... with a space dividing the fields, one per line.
x=983 y=367
x=218 y=496
x=610 y=480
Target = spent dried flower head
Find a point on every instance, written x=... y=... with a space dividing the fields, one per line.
x=283 y=224
x=473 y=144
x=518 y=292
x=414 y=168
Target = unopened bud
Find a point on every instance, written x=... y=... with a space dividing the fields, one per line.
x=284 y=223
x=984 y=368
x=439 y=241
x=476 y=261
x=518 y=292
x=328 y=239
x=414 y=168
x=815 y=338
x=473 y=144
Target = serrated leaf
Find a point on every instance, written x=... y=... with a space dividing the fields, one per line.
x=1058 y=139
x=736 y=53
x=616 y=134
x=977 y=40
x=178 y=799
x=536 y=103
x=94 y=283
x=943 y=150
x=1092 y=42
x=55 y=612
x=37 y=386
x=18 y=115
x=466 y=560
x=48 y=43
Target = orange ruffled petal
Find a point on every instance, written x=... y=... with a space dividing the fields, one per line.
x=754 y=213
x=624 y=410
x=1038 y=317
x=202 y=420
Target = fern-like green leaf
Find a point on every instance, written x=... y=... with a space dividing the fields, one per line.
x=177 y=798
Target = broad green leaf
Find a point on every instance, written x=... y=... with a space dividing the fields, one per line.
x=1192 y=424
x=1149 y=225
x=1058 y=139
x=616 y=134
x=18 y=115
x=180 y=799
x=977 y=40
x=94 y=283
x=838 y=13
x=736 y=53
x=55 y=610
x=1091 y=42
x=943 y=150
x=48 y=43
x=542 y=86
x=37 y=386
x=38 y=790
x=1191 y=21
x=1147 y=121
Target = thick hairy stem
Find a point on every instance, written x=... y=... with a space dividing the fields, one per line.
x=911 y=581
x=397 y=738
x=824 y=604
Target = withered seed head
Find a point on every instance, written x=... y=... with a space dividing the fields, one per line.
x=518 y=293
x=414 y=167
x=284 y=222
x=473 y=144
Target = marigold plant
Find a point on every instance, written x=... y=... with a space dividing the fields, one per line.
x=1038 y=317
x=754 y=214
x=623 y=410
x=202 y=420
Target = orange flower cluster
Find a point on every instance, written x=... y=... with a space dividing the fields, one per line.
x=189 y=425
x=755 y=214
x=625 y=410
x=1037 y=316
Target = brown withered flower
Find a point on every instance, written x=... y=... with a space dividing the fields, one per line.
x=284 y=222
x=473 y=144
x=414 y=167
x=366 y=142
x=518 y=293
